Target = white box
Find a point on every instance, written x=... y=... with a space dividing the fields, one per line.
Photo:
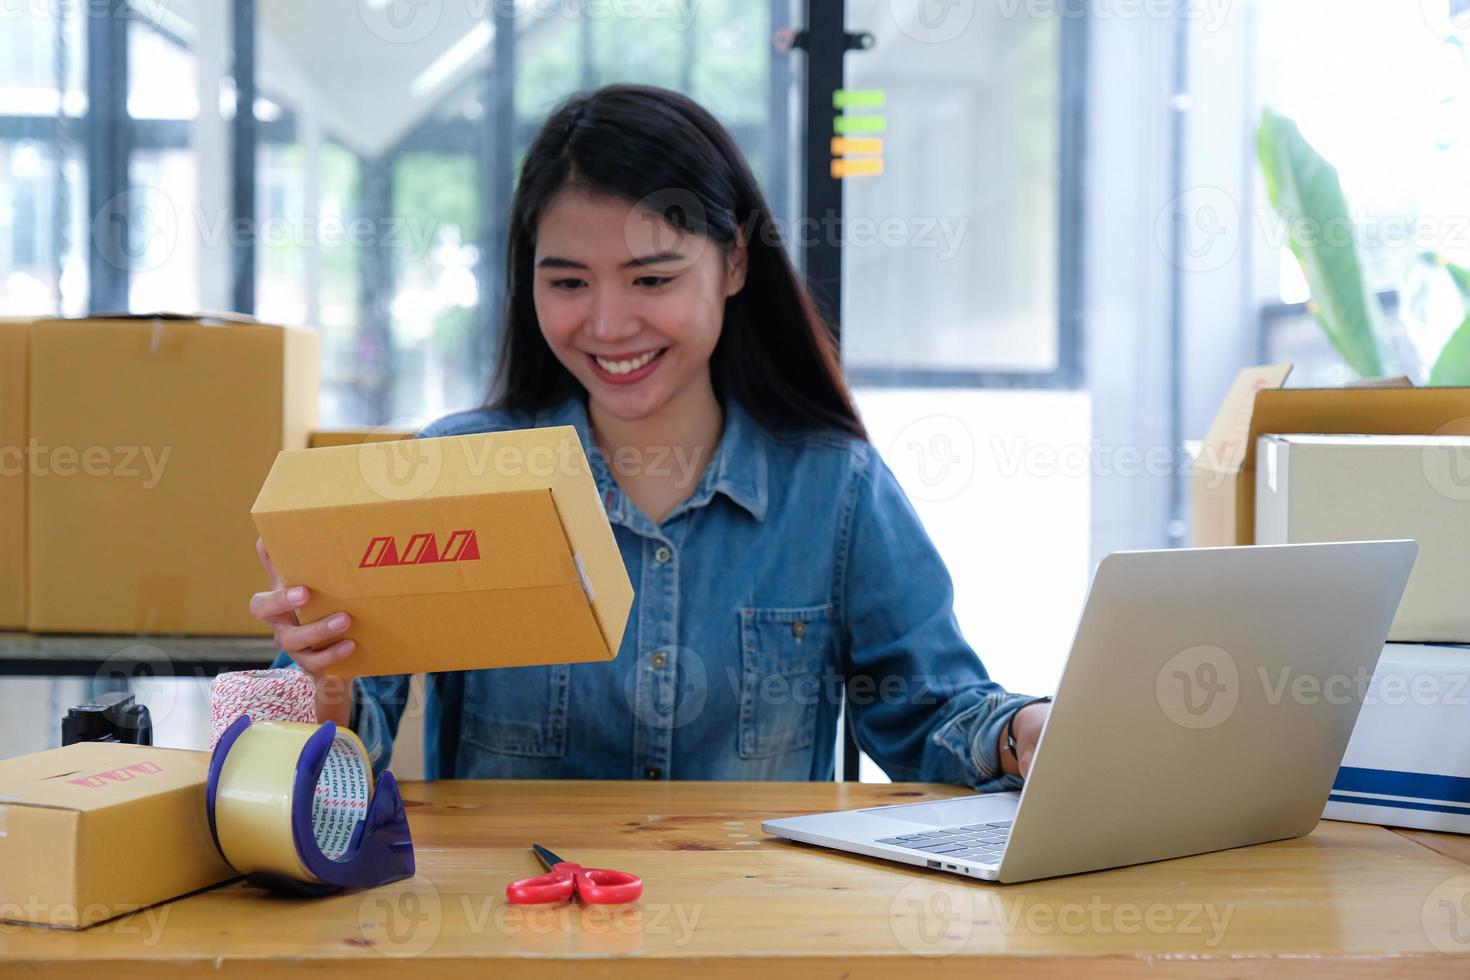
x=1408 y=762
x=1368 y=487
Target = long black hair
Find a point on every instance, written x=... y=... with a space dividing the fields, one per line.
x=660 y=149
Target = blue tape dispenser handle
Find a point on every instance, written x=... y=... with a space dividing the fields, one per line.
x=291 y=806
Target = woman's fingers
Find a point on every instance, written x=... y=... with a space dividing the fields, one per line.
x=278 y=606
x=312 y=636
x=265 y=560
x=316 y=661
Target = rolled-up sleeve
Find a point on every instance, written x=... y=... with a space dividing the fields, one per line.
x=922 y=704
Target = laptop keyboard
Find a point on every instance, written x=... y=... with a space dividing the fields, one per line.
x=978 y=842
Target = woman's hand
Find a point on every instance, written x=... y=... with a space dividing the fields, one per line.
x=1028 y=724
x=314 y=647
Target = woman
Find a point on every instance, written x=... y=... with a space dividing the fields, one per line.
x=774 y=558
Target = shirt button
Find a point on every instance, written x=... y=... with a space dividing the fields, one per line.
x=653 y=772
x=659 y=661
x=798 y=629
x=662 y=555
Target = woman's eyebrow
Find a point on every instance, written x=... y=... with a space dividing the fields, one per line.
x=654 y=259
x=557 y=262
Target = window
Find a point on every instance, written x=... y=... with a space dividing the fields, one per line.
x=1384 y=95
x=42 y=173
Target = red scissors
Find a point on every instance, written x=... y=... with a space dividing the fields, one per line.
x=596 y=886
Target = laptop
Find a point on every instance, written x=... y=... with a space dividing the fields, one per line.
x=1206 y=704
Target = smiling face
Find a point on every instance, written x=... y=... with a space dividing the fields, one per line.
x=631 y=305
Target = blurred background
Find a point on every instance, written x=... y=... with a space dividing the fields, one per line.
x=1065 y=255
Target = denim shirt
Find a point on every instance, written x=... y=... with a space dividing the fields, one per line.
x=794 y=577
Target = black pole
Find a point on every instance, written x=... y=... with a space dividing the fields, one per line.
x=821 y=234
x=108 y=149
x=375 y=339
x=499 y=137
x=778 y=121
x=243 y=138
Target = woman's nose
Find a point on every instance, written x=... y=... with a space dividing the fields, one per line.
x=610 y=319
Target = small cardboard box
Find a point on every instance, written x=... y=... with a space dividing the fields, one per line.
x=1223 y=476
x=455 y=553
x=151 y=435
x=96 y=830
x=14 y=371
x=1361 y=488
x=322 y=438
x=1408 y=761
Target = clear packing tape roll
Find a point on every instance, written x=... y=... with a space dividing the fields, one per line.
x=292 y=807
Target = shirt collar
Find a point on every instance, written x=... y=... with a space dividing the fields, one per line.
x=738 y=469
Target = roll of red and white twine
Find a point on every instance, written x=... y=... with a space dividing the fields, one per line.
x=283 y=694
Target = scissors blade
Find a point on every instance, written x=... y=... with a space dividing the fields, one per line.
x=547 y=858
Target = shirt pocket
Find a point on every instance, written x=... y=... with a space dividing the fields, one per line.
x=783 y=653
x=518 y=711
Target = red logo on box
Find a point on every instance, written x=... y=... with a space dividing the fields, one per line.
x=421 y=549
x=122 y=775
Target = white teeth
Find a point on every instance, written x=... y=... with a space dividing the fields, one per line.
x=623 y=367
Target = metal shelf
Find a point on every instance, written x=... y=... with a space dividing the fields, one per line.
x=82 y=655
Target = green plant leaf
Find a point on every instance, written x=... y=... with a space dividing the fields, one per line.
x=1305 y=191
x=1452 y=367
x=1461 y=275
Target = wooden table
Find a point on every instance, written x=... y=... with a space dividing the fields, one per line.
x=723 y=899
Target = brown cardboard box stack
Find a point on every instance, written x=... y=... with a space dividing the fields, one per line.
x=142 y=441
x=1364 y=463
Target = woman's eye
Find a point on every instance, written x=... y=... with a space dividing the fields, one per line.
x=653 y=282
x=567 y=284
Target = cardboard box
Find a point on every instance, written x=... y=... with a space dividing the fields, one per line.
x=322 y=438
x=1223 y=477
x=455 y=553
x=1361 y=488
x=96 y=830
x=1408 y=761
x=151 y=436
x=14 y=371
